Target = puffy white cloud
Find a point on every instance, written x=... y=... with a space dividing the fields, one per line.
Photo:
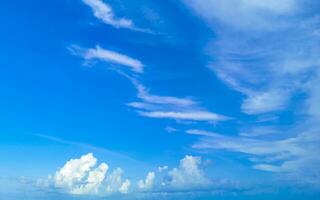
x=104 y=12
x=125 y=186
x=74 y=171
x=78 y=176
x=114 y=182
x=148 y=182
x=93 y=182
x=109 y=56
x=189 y=174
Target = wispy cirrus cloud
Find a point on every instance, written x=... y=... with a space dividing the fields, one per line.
x=169 y=107
x=104 y=12
x=295 y=157
x=105 y=55
x=264 y=50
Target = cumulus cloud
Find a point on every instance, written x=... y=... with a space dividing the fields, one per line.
x=148 y=182
x=108 y=56
x=188 y=175
x=104 y=12
x=93 y=182
x=74 y=171
x=125 y=186
x=114 y=182
x=78 y=176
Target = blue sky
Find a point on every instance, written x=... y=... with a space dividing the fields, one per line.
x=182 y=99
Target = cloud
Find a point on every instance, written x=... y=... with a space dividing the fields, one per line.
x=168 y=107
x=108 y=56
x=200 y=132
x=114 y=182
x=192 y=115
x=243 y=14
x=162 y=168
x=188 y=175
x=144 y=95
x=93 y=182
x=148 y=182
x=293 y=157
x=251 y=54
x=105 y=13
x=78 y=176
x=125 y=186
x=170 y=129
x=74 y=171
x=265 y=102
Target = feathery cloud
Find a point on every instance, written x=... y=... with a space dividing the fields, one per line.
x=105 y=13
x=295 y=156
x=108 y=56
x=168 y=107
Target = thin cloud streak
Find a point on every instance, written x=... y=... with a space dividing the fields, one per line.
x=108 y=56
x=105 y=13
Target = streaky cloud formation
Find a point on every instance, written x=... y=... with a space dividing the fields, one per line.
x=104 y=12
x=190 y=115
x=108 y=56
x=295 y=157
x=254 y=54
x=168 y=107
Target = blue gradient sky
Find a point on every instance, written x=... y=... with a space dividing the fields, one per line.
x=225 y=94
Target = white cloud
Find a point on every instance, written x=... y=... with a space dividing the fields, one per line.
x=162 y=168
x=79 y=177
x=109 y=56
x=168 y=107
x=114 y=182
x=104 y=12
x=265 y=102
x=74 y=171
x=125 y=186
x=148 y=182
x=295 y=156
x=192 y=115
x=93 y=182
x=244 y=14
x=188 y=175
x=201 y=133
x=156 y=99
x=170 y=129
x=251 y=54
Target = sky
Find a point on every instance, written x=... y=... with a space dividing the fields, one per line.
x=185 y=99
